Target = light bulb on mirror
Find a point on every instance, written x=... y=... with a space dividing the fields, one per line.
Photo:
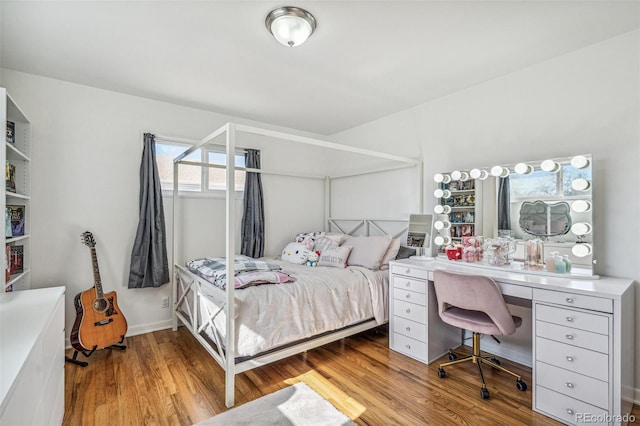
x=550 y=166
x=438 y=178
x=581 y=206
x=456 y=175
x=478 y=174
x=580 y=162
x=523 y=169
x=580 y=184
x=581 y=250
x=581 y=228
x=441 y=224
x=442 y=209
x=499 y=171
x=442 y=240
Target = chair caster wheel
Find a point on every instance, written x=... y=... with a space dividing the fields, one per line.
x=522 y=386
x=452 y=356
x=495 y=360
x=484 y=393
x=441 y=373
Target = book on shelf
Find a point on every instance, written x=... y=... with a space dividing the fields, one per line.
x=11 y=132
x=17 y=260
x=17 y=219
x=10 y=177
x=7 y=264
x=8 y=233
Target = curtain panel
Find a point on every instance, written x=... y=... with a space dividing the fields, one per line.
x=149 y=264
x=253 y=214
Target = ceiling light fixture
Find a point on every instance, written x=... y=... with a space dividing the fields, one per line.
x=291 y=26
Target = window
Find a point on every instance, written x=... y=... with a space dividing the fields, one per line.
x=191 y=178
x=546 y=185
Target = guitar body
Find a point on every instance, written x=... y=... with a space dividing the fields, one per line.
x=99 y=322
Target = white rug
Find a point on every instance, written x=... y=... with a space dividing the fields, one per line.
x=295 y=405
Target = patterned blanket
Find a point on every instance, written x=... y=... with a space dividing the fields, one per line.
x=248 y=271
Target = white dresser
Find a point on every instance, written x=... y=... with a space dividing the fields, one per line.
x=413 y=315
x=583 y=335
x=32 y=357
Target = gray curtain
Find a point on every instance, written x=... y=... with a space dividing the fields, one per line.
x=149 y=264
x=504 y=204
x=253 y=215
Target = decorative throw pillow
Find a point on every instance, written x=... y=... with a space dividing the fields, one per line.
x=367 y=251
x=322 y=243
x=334 y=256
x=295 y=253
x=338 y=238
x=391 y=253
x=308 y=238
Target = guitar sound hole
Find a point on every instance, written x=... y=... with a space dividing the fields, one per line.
x=100 y=305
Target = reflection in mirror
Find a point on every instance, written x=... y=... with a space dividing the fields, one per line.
x=561 y=190
x=419 y=233
x=545 y=220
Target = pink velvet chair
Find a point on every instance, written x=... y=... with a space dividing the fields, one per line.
x=475 y=303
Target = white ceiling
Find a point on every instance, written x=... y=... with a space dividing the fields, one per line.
x=367 y=59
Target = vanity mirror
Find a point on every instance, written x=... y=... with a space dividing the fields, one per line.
x=549 y=199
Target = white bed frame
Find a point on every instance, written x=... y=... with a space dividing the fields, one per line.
x=189 y=283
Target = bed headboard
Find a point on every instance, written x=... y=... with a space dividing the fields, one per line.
x=368 y=227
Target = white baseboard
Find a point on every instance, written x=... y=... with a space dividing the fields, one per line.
x=137 y=329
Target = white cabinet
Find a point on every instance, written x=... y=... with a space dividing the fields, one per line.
x=32 y=357
x=414 y=327
x=17 y=195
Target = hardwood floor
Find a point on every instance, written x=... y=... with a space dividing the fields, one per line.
x=167 y=378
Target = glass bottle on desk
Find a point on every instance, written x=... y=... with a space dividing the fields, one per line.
x=534 y=250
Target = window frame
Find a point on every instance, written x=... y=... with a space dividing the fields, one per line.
x=203 y=191
x=559 y=185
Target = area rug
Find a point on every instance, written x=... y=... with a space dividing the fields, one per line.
x=294 y=405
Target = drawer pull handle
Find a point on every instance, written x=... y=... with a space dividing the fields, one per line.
x=569 y=385
x=569 y=336
x=408 y=328
x=569 y=300
x=408 y=284
x=569 y=411
x=408 y=346
x=408 y=296
x=408 y=310
x=408 y=271
x=569 y=319
x=570 y=358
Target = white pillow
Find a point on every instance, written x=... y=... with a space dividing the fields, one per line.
x=295 y=253
x=334 y=256
x=324 y=242
x=391 y=253
x=367 y=251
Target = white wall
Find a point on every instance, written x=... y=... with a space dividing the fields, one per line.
x=87 y=146
x=586 y=101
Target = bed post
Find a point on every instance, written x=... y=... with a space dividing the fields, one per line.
x=420 y=170
x=230 y=358
x=174 y=251
x=327 y=203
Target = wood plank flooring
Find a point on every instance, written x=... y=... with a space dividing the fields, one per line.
x=167 y=378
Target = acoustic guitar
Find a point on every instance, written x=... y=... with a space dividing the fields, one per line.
x=99 y=321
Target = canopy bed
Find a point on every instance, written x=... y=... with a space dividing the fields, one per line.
x=244 y=326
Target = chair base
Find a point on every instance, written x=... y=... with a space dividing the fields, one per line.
x=479 y=359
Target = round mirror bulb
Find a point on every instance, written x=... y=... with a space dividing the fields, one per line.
x=523 y=169
x=581 y=250
x=580 y=162
x=550 y=166
x=581 y=206
x=580 y=184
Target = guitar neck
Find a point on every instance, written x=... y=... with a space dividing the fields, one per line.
x=96 y=274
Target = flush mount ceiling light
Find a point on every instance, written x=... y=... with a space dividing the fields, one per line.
x=291 y=26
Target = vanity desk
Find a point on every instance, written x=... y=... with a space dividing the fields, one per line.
x=583 y=335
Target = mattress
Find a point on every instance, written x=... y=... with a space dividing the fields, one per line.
x=322 y=299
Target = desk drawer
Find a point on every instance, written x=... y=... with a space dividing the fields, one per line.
x=410 y=296
x=574 y=300
x=409 y=346
x=409 y=284
x=410 y=311
x=577 y=386
x=409 y=271
x=567 y=409
x=573 y=336
x=573 y=318
x=578 y=360
x=409 y=328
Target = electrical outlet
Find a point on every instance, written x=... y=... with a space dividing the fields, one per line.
x=165 y=302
